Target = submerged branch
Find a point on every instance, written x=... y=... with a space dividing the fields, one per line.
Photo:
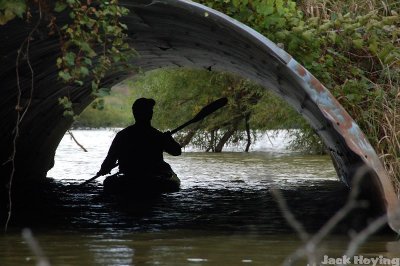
x=76 y=141
x=35 y=247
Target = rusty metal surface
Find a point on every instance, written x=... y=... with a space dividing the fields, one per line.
x=353 y=137
x=179 y=33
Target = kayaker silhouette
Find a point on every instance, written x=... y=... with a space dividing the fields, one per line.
x=138 y=150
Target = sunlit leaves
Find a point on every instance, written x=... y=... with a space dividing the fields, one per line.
x=180 y=94
x=355 y=52
x=93 y=43
x=11 y=9
x=60 y=6
x=67 y=105
x=69 y=58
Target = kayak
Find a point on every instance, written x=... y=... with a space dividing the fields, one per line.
x=151 y=185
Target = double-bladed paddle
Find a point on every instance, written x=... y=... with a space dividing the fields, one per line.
x=204 y=112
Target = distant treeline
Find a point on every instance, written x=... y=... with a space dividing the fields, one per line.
x=181 y=93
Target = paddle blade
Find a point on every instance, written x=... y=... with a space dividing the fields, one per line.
x=209 y=109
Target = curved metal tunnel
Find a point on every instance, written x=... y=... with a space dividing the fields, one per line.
x=174 y=33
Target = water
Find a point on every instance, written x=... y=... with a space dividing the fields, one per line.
x=224 y=214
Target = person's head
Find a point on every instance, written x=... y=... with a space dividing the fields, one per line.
x=142 y=109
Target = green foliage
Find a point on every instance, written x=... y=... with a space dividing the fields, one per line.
x=306 y=141
x=353 y=49
x=113 y=110
x=180 y=94
x=11 y=9
x=67 y=104
x=93 y=42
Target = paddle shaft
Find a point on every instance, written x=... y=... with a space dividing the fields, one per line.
x=90 y=180
x=205 y=111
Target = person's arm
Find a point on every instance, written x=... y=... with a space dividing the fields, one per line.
x=170 y=145
x=111 y=159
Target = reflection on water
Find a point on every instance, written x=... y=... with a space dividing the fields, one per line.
x=224 y=214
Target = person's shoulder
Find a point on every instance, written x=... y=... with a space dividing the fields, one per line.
x=156 y=131
x=128 y=128
x=125 y=131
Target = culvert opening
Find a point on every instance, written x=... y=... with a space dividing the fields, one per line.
x=271 y=66
x=211 y=182
x=229 y=190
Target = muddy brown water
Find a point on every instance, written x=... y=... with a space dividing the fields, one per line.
x=224 y=214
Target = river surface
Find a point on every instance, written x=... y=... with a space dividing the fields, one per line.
x=224 y=214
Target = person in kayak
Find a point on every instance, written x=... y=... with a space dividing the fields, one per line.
x=139 y=148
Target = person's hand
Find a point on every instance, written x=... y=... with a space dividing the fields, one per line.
x=170 y=145
x=167 y=136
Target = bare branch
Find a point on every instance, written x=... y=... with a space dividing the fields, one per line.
x=76 y=141
x=296 y=225
x=35 y=247
x=364 y=234
x=18 y=109
x=310 y=247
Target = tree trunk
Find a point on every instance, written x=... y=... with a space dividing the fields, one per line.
x=184 y=141
x=248 y=132
x=228 y=134
x=212 y=142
